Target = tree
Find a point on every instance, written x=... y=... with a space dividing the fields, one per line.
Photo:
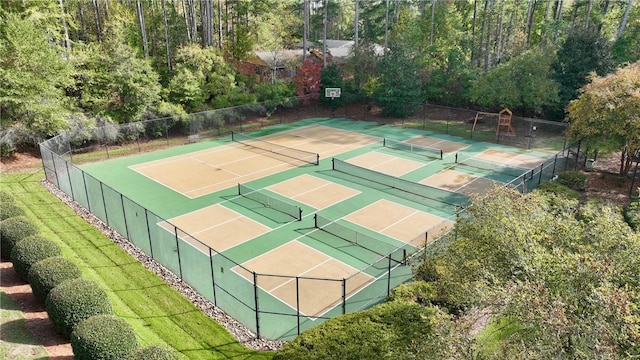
x=201 y=75
x=522 y=83
x=583 y=52
x=330 y=77
x=33 y=105
x=307 y=80
x=606 y=115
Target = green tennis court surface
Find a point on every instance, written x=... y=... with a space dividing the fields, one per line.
x=282 y=241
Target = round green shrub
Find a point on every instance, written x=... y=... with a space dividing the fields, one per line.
x=29 y=251
x=632 y=215
x=5 y=199
x=103 y=337
x=73 y=301
x=574 y=180
x=49 y=273
x=13 y=230
x=10 y=210
x=153 y=352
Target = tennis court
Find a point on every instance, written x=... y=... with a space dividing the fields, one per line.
x=303 y=222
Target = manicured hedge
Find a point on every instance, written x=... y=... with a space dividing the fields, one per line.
x=8 y=211
x=153 y=352
x=31 y=250
x=104 y=337
x=73 y=301
x=49 y=273
x=13 y=230
x=5 y=199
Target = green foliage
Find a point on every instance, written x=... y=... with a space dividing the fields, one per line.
x=6 y=199
x=450 y=84
x=200 y=76
x=153 y=352
x=399 y=93
x=106 y=337
x=632 y=214
x=73 y=301
x=33 y=78
x=420 y=292
x=522 y=83
x=29 y=251
x=555 y=188
x=9 y=210
x=394 y=330
x=574 y=180
x=13 y=230
x=49 y=273
x=606 y=116
x=583 y=51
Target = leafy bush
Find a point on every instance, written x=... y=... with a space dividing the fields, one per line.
x=574 y=180
x=555 y=187
x=153 y=352
x=13 y=230
x=29 y=251
x=8 y=211
x=420 y=292
x=5 y=198
x=49 y=273
x=73 y=301
x=103 y=337
x=392 y=330
x=632 y=214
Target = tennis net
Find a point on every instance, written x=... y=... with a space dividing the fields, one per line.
x=304 y=156
x=373 y=245
x=413 y=148
x=494 y=167
x=270 y=202
x=425 y=191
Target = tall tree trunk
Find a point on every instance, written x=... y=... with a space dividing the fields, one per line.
x=185 y=17
x=193 y=21
x=474 y=52
x=386 y=27
x=65 y=29
x=433 y=17
x=482 y=30
x=220 y=38
x=356 y=27
x=586 y=21
x=487 y=49
x=625 y=18
x=324 y=33
x=305 y=29
x=498 y=56
x=166 y=35
x=143 y=29
x=96 y=10
x=531 y=12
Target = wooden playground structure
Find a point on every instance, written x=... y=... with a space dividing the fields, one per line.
x=504 y=121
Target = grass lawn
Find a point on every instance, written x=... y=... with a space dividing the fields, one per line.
x=17 y=342
x=158 y=314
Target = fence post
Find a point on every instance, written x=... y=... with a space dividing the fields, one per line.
x=146 y=217
x=633 y=179
x=540 y=176
x=104 y=203
x=298 y=302
x=255 y=294
x=69 y=177
x=175 y=231
x=344 y=296
x=555 y=162
x=389 y=276
x=86 y=191
x=124 y=216
x=213 y=280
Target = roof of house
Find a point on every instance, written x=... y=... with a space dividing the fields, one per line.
x=340 y=51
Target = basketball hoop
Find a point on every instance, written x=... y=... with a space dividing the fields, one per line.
x=332 y=93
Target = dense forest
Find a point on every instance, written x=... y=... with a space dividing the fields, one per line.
x=73 y=65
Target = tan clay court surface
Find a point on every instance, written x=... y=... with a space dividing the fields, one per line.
x=400 y=222
x=313 y=191
x=509 y=158
x=218 y=227
x=457 y=181
x=437 y=143
x=207 y=171
x=303 y=261
x=387 y=164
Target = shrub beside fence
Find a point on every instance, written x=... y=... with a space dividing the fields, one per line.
x=212 y=274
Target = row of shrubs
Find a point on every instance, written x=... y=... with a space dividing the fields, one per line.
x=78 y=308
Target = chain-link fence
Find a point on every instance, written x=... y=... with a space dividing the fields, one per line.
x=214 y=275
